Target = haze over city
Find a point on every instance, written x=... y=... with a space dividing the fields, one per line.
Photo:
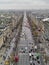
x=24 y=4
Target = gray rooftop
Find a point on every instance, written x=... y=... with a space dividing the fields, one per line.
x=0 y=32
x=2 y=26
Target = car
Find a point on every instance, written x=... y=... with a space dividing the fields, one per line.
x=7 y=62
x=31 y=62
x=26 y=48
x=35 y=47
x=37 y=57
x=30 y=50
x=38 y=62
x=34 y=57
x=32 y=54
x=29 y=54
x=22 y=50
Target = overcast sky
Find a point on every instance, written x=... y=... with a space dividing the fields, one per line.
x=24 y=4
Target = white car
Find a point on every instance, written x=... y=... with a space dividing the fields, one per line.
x=31 y=62
x=30 y=54
x=35 y=47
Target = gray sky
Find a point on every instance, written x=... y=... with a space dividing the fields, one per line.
x=24 y=4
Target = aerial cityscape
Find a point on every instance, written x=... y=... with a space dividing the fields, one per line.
x=24 y=32
x=24 y=37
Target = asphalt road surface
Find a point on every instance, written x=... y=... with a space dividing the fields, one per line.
x=25 y=39
x=25 y=44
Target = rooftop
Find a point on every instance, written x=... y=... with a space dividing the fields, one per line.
x=0 y=32
x=2 y=26
x=46 y=19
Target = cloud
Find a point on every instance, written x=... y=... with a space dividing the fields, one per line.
x=24 y=4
